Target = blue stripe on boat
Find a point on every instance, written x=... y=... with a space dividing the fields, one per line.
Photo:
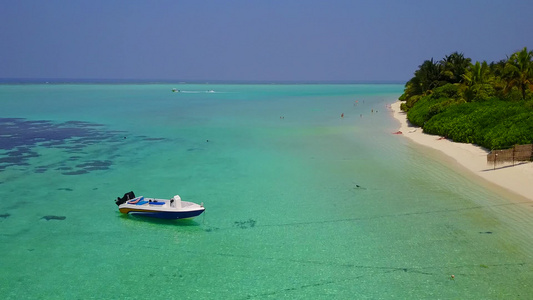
x=168 y=215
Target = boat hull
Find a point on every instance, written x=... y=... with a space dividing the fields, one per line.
x=161 y=208
x=169 y=215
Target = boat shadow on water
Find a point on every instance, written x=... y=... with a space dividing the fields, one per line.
x=151 y=220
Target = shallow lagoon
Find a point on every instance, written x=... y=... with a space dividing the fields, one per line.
x=300 y=203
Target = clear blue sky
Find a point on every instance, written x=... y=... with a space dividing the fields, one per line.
x=270 y=40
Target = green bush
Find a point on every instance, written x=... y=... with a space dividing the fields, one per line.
x=480 y=92
x=428 y=106
x=419 y=114
x=446 y=91
x=491 y=124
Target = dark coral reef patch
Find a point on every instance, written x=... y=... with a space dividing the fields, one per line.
x=20 y=140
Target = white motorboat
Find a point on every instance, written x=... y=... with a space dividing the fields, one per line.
x=173 y=208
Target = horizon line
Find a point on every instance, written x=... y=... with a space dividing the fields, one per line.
x=190 y=81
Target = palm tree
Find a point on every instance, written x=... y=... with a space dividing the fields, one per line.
x=475 y=78
x=497 y=67
x=497 y=77
x=426 y=78
x=428 y=75
x=519 y=71
x=477 y=73
x=454 y=66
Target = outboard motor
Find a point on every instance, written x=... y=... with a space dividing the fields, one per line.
x=128 y=196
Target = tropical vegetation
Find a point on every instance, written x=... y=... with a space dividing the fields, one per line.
x=488 y=104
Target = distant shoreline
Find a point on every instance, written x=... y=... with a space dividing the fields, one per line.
x=178 y=81
x=517 y=178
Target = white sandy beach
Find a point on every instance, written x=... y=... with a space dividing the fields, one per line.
x=517 y=178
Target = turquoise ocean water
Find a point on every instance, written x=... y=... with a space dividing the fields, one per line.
x=300 y=203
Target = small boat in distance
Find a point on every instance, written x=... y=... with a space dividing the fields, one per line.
x=173 y=208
